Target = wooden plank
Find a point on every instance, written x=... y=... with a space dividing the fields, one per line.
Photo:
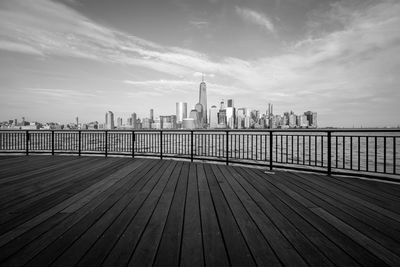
x=33 y=208
x=5 y=238
x=101 y=203
x=123 y=249
x=77 y=220
x=78 y=249
x=304 y=247
x=61 y=182
x=374 y=195
x=37 y=167
x=192 y=241
x=169 y=249
x=381 y=252
x=349 y=245
x=360 y=200
x=391 y=188
x=14 y=169
x=33 y=183
x=28 y=164
x=243 y=241
x=214 y=248
x=373 y=226
x=300 y=216
x=156 y=229
x=99 y=251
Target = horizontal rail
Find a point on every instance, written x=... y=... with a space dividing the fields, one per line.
x=363 y=152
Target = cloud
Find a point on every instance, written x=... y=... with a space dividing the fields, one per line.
x=20 y=48
x=255 y=17
x=200 y=24
x=60 y=93
x=166 y=87
x=201 y=74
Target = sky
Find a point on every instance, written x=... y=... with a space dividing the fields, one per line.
x=68 y=58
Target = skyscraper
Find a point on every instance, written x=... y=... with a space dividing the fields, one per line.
x=200 y=111
x=134 y=120
x=203 y=100
x=230 y=117
x=181 y=111
x=195 y=116
x=119 y=122
x=230 y=103
x=151 y=115
x=109 y=125
x=213 y=117
x=312 y=119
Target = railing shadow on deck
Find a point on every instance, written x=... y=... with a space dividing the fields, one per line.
x=361 y=152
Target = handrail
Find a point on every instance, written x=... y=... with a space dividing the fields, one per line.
x=365 y=152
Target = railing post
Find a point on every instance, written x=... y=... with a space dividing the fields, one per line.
x=329 y=154
x=191 y=146
x=133 y=144
x=52 y=142
x=271 y=149
x=106 y=143
x=227 y=147
x=27 y=143
x=161 y=144
x=79 y=143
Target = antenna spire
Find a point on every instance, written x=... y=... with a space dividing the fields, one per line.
x=202 y=77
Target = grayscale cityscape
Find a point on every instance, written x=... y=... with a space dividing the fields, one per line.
x=199 y=133
x=224 y=115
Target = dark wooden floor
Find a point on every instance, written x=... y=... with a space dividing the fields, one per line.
x=92 y=211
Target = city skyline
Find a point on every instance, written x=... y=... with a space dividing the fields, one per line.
x=68 y=58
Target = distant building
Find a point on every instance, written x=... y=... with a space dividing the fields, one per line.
x=230 y=116
x=213 y=117
x=222 y=118
x=168 y=122
x=146 y=123
x=200 y=110
x=109 y=123
x=151 y=115
x=195 y=116
x=134 y=120
x=311 y=118
x=229 y=103
x=292 y=120
x=156 y=124
x=188 y=123
x=203 y=100
x=181 y=112
x=119 y=122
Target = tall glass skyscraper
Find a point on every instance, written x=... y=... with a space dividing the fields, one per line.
x=181 y=111
x=109 y=123
x=213 y=117
x=203 y=100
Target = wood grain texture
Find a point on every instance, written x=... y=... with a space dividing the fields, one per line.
x=95 y=211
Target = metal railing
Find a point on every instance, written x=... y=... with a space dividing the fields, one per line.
x=345 y=151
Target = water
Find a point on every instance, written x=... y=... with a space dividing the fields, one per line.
x=373 y=152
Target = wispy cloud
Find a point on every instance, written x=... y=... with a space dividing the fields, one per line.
x=18 y=47
x=60 y=93
x=255 y=17
x=200 y=24
x=164 y=87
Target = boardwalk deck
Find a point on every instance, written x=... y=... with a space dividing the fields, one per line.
x=92 y=211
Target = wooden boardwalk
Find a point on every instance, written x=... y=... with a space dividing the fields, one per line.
x=92 y=211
